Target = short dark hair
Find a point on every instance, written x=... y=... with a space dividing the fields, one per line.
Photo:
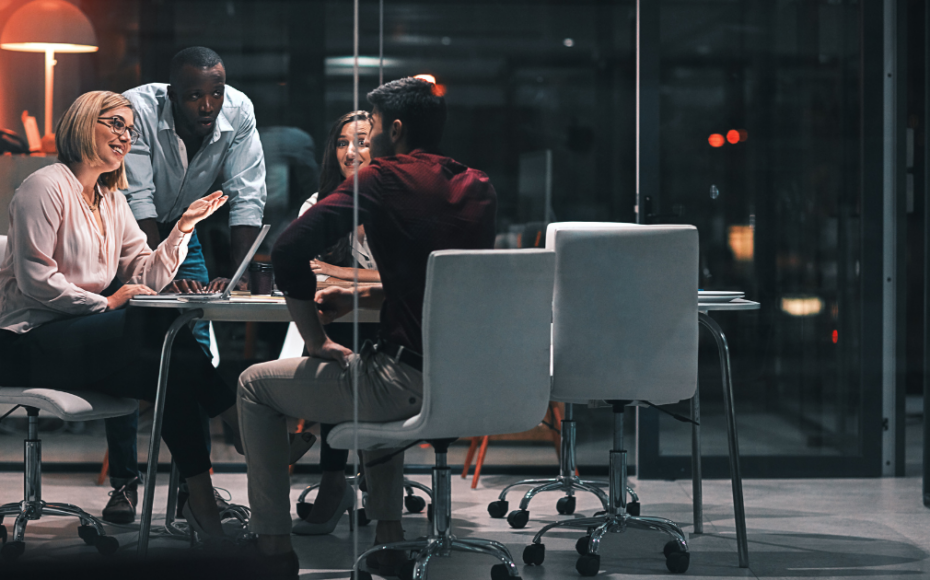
x=195 y=56
x=419 y=107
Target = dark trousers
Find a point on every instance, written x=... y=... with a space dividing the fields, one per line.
x=122 y=432
x=117 y=353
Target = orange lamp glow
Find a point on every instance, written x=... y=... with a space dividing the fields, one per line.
x=716 y=140
x=49 y=26
x=741 y=241
x=438 y=89
x=733 y=137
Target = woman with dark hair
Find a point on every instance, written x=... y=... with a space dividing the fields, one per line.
x=346 y=151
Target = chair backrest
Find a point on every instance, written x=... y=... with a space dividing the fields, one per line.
x=486 y=342
x=625 y=319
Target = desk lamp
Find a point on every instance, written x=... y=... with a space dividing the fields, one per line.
x=49 y=26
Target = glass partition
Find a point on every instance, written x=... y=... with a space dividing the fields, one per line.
x=760 y=141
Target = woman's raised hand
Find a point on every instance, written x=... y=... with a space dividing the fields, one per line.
x=119 y=298
x=201 y=210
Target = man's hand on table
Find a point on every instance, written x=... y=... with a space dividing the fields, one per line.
x=119 y=298
x=183 y=286
x=219 y=284
x=334 y=302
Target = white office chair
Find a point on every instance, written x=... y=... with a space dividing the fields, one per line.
x=486 y=339
x=566 y=481
x=70 y=406
x=625 y=330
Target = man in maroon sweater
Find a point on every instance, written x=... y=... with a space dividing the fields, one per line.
x=412 y=201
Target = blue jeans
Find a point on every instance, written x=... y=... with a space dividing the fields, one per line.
x=122 y=431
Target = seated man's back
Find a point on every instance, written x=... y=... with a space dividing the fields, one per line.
x=411 y=205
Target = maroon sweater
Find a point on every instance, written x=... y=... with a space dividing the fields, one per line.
x=410 y=205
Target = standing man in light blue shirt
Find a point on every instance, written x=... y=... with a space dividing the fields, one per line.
x=195 y=131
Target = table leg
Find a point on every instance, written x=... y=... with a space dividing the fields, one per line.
x=742 y=542
x=172 y=508
x=155 y=442
x=697 y=490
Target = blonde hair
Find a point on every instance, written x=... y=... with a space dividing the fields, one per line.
x=74 y=136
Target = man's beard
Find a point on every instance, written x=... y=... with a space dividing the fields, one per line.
x=381 y=146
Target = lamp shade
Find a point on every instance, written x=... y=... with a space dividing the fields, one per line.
x=44 y=25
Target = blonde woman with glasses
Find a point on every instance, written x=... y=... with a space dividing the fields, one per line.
x=71 y=233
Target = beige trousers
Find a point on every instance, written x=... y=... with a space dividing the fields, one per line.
x=320 y=391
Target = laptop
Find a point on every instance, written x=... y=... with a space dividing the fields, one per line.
x=215 y=296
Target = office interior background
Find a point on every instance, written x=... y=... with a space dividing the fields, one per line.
x=775 y=127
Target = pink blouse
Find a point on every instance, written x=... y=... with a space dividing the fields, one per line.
x=58 y=262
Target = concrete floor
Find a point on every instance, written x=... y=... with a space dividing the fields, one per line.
x=834 y=528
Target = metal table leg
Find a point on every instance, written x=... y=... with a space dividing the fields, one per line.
x=155 y=442
x=697 y=490
x=742 y=542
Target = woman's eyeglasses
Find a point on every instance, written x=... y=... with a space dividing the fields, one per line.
x=118 y=126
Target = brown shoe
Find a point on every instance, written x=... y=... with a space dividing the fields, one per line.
x=121 y=509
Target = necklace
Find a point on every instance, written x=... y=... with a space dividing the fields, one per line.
x=93 y=206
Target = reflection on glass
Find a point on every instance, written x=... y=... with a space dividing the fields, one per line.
x=781 y=222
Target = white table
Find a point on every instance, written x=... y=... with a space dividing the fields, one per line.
x=723 y=349
x=238 y=309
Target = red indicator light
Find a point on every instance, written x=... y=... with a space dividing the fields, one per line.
x=733 y=137
x=836 y=337
x=743 y=134
x=716 y=140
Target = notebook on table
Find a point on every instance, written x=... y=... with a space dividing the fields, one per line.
x=215 y=296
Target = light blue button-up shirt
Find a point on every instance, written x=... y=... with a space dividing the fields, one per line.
x=159 y=185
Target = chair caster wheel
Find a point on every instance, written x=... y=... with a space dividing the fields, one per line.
x=566 y=505
x=588 y=565
x=671 y=547
x=414 y=503
x=498 y=509
x=502 y=572
x=106 y=545
x=581 y=546
x=303 y=509
x=363 y=519
x=12 y=550
x=534 y=554
x=2 y=534
x=89 y=534
x=677 y=562
x=518 y=518
x=632 y=508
